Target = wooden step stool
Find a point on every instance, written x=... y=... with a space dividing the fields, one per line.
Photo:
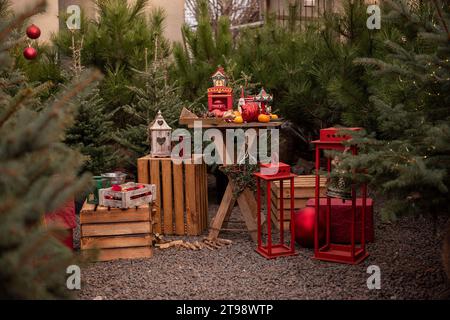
x=117 y=233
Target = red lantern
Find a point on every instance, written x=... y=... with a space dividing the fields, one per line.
x=33 y=32
x=30 y=53
x=331 y=139
x=250 y=112
x=304 y=222
x=268 y=174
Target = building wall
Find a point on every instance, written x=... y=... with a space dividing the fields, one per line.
x=48 y=21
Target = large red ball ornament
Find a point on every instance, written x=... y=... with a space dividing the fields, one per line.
x=33 y=32
x=250 y=112
x=30 y=53
x=304 y=221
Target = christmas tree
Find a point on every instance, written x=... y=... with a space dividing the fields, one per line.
x=407 y=161
x=91 y=134
x=201 y=52
x=38 y=175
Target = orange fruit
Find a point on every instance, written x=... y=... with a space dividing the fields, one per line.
x=263 y=118
x=238 y=119
x=273 y=117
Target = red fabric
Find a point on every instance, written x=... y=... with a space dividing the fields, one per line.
x=341 y=215
x=65 y=219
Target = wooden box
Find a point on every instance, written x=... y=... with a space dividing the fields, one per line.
x=182 y=194
x=117 y=233
x=132 y=195
x=304 y=189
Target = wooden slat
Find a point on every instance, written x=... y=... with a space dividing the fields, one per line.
x=125 y=253
x=143 y=170
x=178 y=198
x=225 y=208
x=191 y=210
x=298 y=203
x=113 y=229
x=155 y=179
x=300 y=193
x=116 y=242
x=167 y=196
x=286 y=215
x=248 y=206
x=105 y=216
x=205 y=196
x=276 y=223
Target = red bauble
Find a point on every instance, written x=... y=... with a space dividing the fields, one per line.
x=304 y=221
x=33 y=32
x=116 y=187
x=250 y=112
x=30 y=53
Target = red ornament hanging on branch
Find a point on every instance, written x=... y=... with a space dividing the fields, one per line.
x=33 y=32
x=30 y=53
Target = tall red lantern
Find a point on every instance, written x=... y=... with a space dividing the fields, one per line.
x=268 y=174
x=331 y=139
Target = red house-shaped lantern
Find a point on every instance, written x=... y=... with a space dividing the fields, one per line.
x=268 y=174
x=220 y=97
x=331 y=139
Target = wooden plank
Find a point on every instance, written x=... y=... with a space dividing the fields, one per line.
x=125 y=253
x=192 y=218
x=105 y=216
x=178 y=198
x=116 y=242
x=286 y=215
x=167 y=205
x=248 y=206
x=205 y=196
x=143 y=167
x=301 y=193
x=298 y=203
x=155 y=179
x=113 y=229
x=276 y=223
x=225 y=208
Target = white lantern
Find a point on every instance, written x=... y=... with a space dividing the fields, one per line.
x=161 y=137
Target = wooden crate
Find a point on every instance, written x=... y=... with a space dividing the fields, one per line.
x=304 y=189
x=117 y=233
x=181 y=194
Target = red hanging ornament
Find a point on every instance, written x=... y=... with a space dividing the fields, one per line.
x=33 y=32
x=30 y=53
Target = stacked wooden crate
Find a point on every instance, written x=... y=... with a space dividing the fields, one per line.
x=304 y=189
x=117 y=233
x=182 y=194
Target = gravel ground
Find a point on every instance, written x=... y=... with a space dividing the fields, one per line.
x=407 y=253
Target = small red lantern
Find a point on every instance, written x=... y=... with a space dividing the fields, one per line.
x=33 y=32
x=331 y=139
x=30 y=53
x=268 y=174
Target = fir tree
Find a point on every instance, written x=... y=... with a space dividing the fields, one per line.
x=115 y=42
x=408 y=161
x=91 y=134
x=37 y=175
x=201 y=53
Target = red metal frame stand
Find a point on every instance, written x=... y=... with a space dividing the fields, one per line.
x=270 y=250
x=341 y=253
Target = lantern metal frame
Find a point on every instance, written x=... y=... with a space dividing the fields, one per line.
x=270 y=250
x=341 y=253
